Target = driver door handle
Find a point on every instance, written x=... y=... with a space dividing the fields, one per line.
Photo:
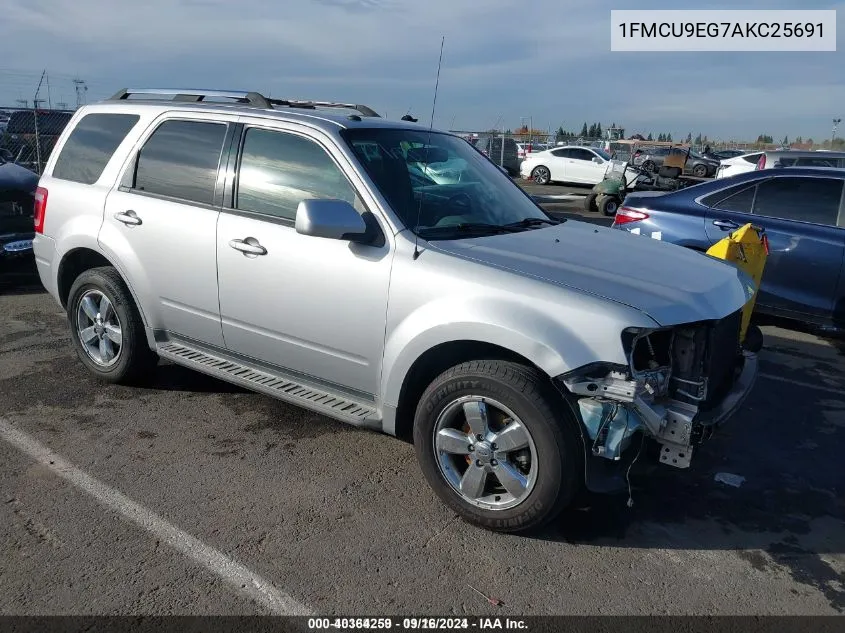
x=129 y=218
x=725 y=225
x=248 y=246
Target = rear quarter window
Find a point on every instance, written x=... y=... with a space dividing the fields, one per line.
x=90 y=146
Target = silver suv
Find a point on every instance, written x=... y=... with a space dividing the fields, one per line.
x=285 y=247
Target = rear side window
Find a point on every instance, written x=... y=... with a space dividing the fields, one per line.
x=752 y=158
x=180 y=160
x=278 y=170
x=813 y=200
x=90 y=146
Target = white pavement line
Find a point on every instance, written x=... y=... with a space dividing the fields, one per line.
x=806 y=385
x=242 y=579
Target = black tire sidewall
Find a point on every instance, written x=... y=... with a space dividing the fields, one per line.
x=558 y=464
x=121 y=303
x=590 y=202
x=606 y=202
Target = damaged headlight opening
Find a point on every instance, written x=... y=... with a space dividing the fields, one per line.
x=673 y=375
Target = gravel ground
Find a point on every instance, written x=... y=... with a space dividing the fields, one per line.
x=194 y=497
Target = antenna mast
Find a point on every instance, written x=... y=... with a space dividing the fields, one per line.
x=427 y=146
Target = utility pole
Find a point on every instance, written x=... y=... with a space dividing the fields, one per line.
x=836 y=123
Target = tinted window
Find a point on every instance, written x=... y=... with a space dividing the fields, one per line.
x=814 y=162
x=813 y=200
x=752 y=158
x=740 y=201
x=562 y=153
x=90 y=146
x=279 y=170
x=180 y=160
x=582 y=154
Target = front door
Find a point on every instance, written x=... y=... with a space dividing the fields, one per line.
x=806 y=248
x=309 y=305
x=162 y=221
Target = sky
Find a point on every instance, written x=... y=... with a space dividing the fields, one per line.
x=504 y=62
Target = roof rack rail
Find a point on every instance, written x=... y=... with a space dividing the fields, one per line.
x=194 y=95
x=313 y=105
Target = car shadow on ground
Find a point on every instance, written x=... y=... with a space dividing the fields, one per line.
x=20 y=278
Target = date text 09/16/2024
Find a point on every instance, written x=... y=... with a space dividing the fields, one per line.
x=416 y=623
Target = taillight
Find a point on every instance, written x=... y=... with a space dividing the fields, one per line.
x=761 y=163
x=40 y=210
x=624 y=215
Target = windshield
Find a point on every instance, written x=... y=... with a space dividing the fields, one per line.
x=441 y=186
x=601 y=153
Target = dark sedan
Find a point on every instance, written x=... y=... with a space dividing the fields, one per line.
x=697 y=165
x=17 y=196
x=803 y=213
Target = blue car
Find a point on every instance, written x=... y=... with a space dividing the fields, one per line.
x=803 y=213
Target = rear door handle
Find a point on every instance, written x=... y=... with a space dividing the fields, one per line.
x=129 y=218
x=248 y=246
x=725 y=225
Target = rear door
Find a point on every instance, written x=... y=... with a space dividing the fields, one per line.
x=806 y=247
x=162 y=223
x=556 y=161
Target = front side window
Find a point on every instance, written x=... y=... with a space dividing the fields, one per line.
x=582 y=154
x=180 y=160
x=90 y=146
x=468 y=192
x=278 y=170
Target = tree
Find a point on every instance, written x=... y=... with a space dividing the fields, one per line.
x=598 y=131
x=785 y=141
x=669 y=137
x=584 y=131
x=698 y=140
x=689 y=138
x=650 y=137
x=799 y=140
x=811 y=142
x=560 y=134
x=591 y=133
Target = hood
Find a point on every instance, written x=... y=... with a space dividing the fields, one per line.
x=669 y=283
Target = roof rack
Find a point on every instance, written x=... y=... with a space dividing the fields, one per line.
x=253 y=99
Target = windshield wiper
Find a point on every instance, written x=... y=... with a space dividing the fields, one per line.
x=534 y=222
x=467 y=227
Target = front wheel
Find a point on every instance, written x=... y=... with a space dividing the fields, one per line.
x=541 y=175
x=498 y=445
x=590 y=202
x=699 y=171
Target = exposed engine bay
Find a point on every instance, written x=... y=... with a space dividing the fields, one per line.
x=675 y=376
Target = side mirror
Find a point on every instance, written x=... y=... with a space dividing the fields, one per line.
x=331 y=219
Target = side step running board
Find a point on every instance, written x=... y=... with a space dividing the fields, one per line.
x=276 y=385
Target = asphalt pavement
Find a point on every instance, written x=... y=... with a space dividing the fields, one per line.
x=192 y=496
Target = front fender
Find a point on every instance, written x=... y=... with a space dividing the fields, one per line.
x=540 y=331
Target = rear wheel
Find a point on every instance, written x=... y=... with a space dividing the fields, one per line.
x=590 y=202
x=608 y=205
x=498 y=445
x=700 y=171
x=649 y=166
x=541 y=175
x=106 y=328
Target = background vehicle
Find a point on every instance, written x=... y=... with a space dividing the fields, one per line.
x=780 y=158
x=724 y=154
x=17 y=197
x=696 y=165
x=570 y=164
x=491 y=146
x=802 y=212
x=324 y=268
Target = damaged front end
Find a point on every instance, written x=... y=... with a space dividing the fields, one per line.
x=679 y=383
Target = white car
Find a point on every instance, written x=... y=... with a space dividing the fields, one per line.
x=738 y=165
x=572 y=164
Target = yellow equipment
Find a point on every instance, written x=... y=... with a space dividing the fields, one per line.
x=747 y=248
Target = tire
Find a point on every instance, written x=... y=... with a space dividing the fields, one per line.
x=608 y=205
x=649 y=166
x=699 y=171
x=541 y=175
x=590 y=202
x=132 y=360
x=556 y=452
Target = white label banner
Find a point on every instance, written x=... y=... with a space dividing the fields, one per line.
x=727 y=30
